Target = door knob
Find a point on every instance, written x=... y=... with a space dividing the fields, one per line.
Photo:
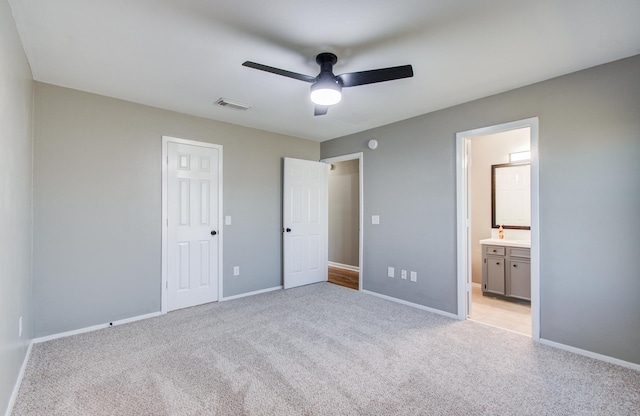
x=288 y=230
x=213 y=232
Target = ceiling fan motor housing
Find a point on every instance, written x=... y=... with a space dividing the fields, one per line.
x=326 y=60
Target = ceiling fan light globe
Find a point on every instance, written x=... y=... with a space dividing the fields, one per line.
x=325 y=96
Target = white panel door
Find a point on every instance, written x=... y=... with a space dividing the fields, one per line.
x=305 y=222
x=192 y=225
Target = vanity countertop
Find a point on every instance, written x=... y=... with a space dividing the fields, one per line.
x=510 y=243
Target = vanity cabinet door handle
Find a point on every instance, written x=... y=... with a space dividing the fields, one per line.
x=515 y=265
x=498 y=263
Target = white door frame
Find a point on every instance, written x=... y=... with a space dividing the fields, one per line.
x=463 y=222
x=360 y=157
x=165 y=227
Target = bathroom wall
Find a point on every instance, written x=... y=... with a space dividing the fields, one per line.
x=486 y=151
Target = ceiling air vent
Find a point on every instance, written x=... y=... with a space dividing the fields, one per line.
x=223 y=102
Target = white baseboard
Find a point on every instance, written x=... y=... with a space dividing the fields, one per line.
x=344 y=266
x=415 y=305
x=16 y=387
x=95 y=327
x=591 y=354
x=257 y=292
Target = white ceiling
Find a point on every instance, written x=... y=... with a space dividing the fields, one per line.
x=183 y=55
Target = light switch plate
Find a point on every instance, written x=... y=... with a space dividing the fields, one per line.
x=390 y=272
x=414 y=276
x=375 y=219
x=227 y=220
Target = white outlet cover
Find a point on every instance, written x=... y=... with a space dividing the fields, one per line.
x=236 y=270
x=414 y=276
x=404 y=274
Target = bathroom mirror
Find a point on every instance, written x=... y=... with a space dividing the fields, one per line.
x=511 y=196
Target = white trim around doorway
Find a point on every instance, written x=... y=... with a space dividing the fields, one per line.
x=463 y=221
x=360 y=157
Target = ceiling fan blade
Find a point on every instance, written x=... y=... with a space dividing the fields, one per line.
x=321 y=110
x=278 y=71
x=375 y=75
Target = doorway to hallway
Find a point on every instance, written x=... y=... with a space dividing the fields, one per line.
x=345 y=220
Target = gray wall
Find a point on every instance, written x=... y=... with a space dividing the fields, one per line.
x=344 y=213
x=589 y=148
x=97 y=205
x=16 y=115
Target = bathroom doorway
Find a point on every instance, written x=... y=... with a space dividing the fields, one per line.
x=496 y=149
x=345 y=220
x=510 y=258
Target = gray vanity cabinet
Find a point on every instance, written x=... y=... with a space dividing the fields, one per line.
x=519 y=281
x=506 y=272
x=493 y=268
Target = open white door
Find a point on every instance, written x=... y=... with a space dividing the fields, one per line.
x=305 y=222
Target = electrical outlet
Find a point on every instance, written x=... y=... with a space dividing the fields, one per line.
x=236 y=270
x=404 y=274
x=414 y=276
x=390 y=272
x=20 y=327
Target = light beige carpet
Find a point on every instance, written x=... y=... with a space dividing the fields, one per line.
x=316 y=350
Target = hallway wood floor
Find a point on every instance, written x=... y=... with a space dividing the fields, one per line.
x=343 y=277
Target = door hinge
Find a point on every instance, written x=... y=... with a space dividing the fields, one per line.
x=166 y=284
x=485 y=260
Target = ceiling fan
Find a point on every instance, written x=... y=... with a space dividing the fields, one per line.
x=326 y=88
